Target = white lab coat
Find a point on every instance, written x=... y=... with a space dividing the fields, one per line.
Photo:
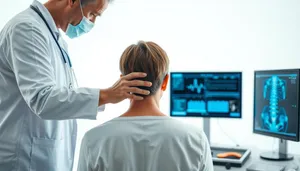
x=37 y=107
x=145 y=143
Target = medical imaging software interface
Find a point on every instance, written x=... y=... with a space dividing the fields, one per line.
x=276 y=103
x=206 y=94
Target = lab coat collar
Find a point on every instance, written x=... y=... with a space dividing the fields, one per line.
x=47 y=16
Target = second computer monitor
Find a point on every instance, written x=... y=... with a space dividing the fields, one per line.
x=276 y=103
x=206 y=94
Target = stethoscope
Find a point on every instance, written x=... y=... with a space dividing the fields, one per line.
x=64 y=54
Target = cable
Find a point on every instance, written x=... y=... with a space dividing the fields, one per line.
x=233 y=140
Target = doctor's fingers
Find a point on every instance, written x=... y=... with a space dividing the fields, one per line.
x=136 y=90
x=136 y=83
x=134 y=75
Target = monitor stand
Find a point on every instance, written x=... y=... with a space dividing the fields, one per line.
x=206 y=128
x=281 y=155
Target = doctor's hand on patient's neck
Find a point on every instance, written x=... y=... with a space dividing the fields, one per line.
x=125 y=88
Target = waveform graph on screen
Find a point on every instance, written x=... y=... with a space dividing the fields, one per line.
x=195 y=86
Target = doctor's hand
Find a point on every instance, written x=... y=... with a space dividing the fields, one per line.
x=125 y=88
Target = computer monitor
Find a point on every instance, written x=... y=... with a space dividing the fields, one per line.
x=276 y=108
x=209 y=95
x=206 y=94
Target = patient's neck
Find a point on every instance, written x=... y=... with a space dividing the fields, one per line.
x=147 y=107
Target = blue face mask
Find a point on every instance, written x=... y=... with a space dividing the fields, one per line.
x=84 y=26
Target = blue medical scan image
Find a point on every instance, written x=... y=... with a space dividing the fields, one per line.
x=276 y=103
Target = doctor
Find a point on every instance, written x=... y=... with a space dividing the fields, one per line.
x=39 y=100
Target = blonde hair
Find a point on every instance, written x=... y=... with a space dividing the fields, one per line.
x=146 y=57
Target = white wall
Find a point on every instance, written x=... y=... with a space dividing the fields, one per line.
x=198 y=35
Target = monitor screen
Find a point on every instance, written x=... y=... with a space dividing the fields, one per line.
x=276 y=104
x=209 y=94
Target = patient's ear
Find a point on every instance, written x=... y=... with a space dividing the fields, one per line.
x=165 y=83
x=121 y=76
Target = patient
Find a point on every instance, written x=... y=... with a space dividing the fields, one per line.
x=143 y=138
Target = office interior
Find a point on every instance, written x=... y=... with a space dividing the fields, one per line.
x=240 y=37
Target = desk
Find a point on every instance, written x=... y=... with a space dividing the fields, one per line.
x=255 y=158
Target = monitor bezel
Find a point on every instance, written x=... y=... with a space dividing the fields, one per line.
x=285 y=137
x=208 y=72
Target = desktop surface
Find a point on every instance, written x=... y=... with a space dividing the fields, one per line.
x=206 y=94
x=255 y=158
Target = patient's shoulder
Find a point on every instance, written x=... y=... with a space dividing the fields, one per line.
x=160 y=127
x=102 y=129
x=182 y=128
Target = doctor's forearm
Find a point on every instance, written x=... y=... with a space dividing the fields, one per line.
x=62 y=104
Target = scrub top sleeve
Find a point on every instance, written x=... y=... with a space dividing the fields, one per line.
x=29 y=58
